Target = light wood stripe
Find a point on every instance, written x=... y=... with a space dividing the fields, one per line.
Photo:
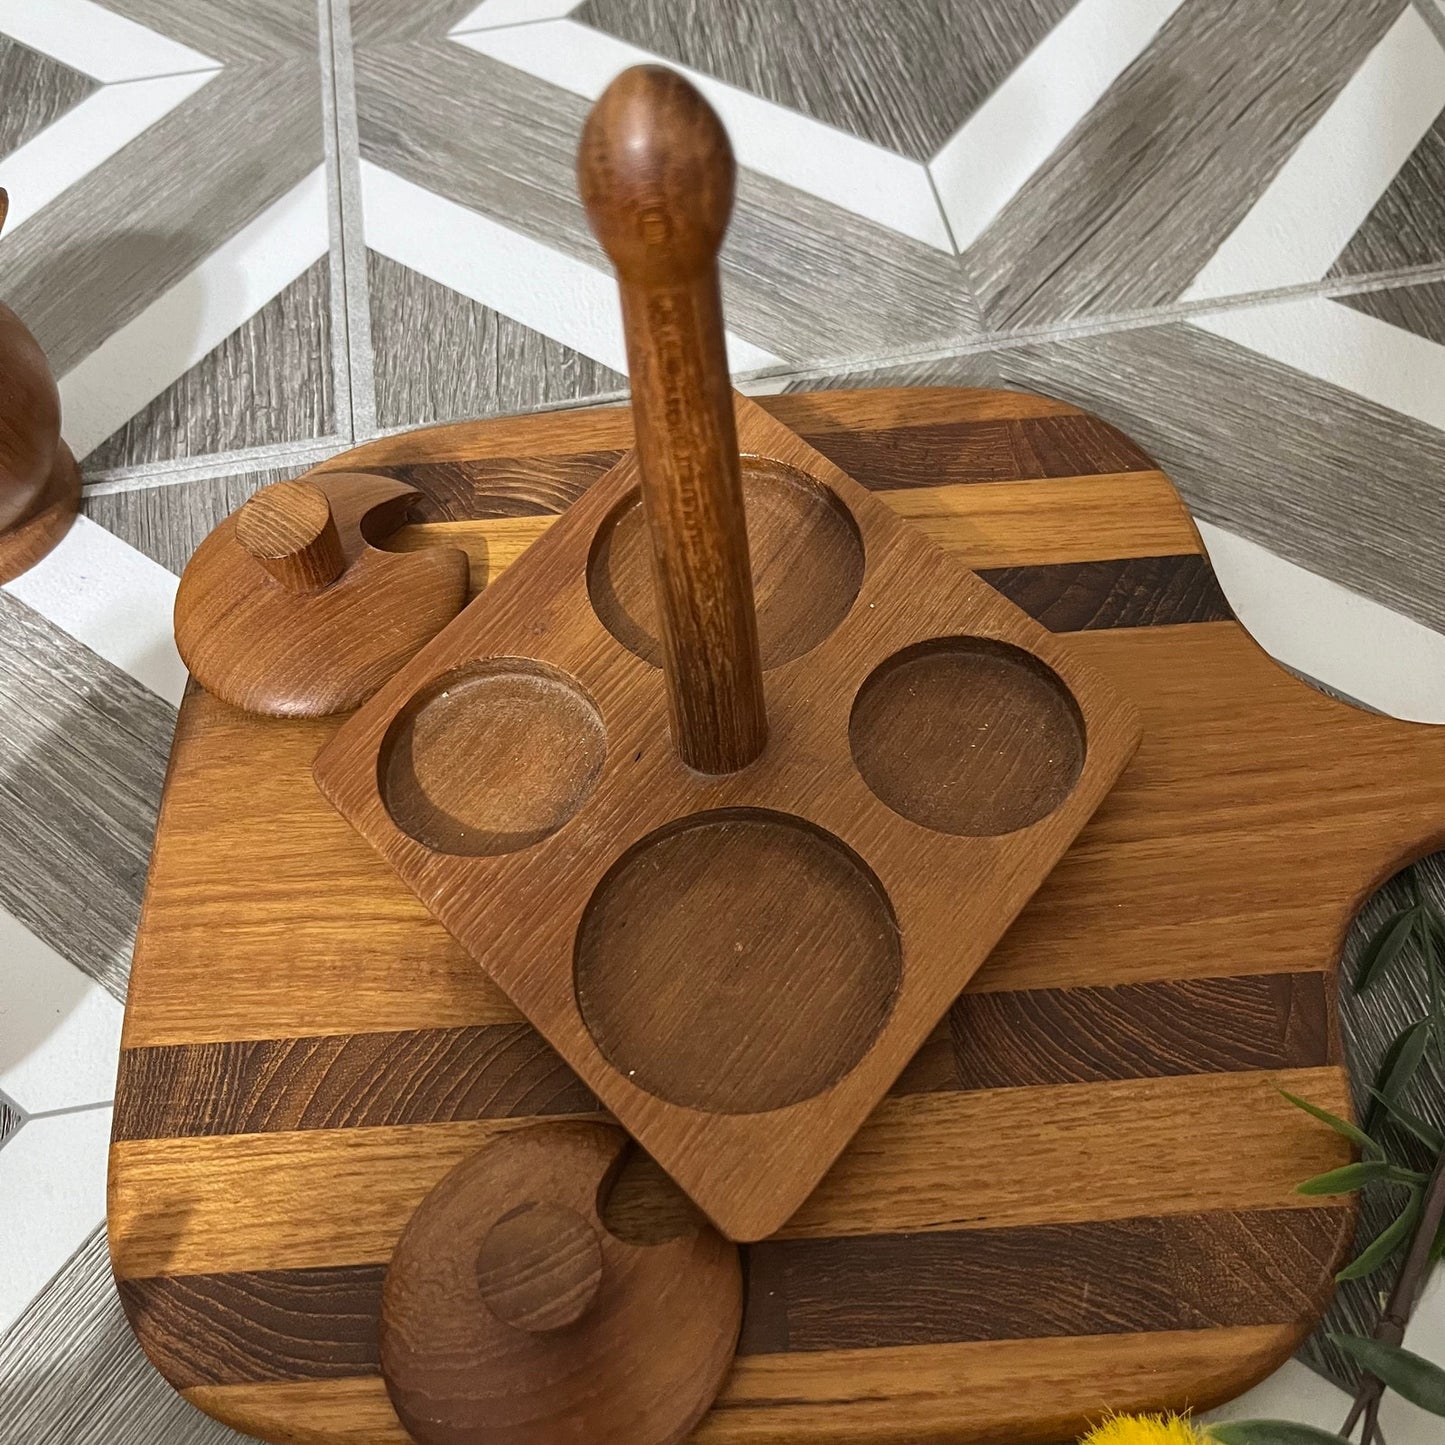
x=987 y=524
x=954 y=1394
x=988 y=1159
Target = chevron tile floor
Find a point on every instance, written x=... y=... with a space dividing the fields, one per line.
x=250 y=235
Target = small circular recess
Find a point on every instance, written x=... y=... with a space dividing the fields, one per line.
x=491 y=757
x=807 y=565
x=967 y=735
x=540 y=1267
x=737 y=961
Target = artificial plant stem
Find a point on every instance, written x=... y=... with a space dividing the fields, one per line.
x=1391 y=1328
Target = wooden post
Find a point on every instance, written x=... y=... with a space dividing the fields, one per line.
x=656 y=175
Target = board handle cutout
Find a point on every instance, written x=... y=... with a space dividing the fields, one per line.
x=656 y=174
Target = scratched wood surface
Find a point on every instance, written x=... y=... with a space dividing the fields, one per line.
x=1079 y=1196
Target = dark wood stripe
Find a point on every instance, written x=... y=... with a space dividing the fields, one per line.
x=292 y=1324
x=1191 y=1271
x=1188 y=1271
x=943 y=453
x=464 y=491
x=1139 y=1031
x=422 y=1076
x=989 y=1041
x=936 y=455
x=1129 y=592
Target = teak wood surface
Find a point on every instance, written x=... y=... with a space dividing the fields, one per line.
x=742 y=994
x=1079 y=1196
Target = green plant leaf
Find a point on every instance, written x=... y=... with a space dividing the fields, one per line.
x=1436 y=929
x=1384 y=1244
x=1437 y=1250
x=1384 y=946
x=1351 y=1131
x=1347 y=1178
x=1270 y=1432
x=1399 y=1065
x=1409 y=1375
x=1431 y=1137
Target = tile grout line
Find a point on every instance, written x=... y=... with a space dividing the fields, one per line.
x=1434 y=17
x=300 y=455
x=339 y=330
x=70 y=1109
x=353 y=239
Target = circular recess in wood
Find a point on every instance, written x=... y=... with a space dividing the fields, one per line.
x=511 y=1315
x=967 y=735
x=737 y=961
x=491 y=757
x=806 y=554
x=539 y=1267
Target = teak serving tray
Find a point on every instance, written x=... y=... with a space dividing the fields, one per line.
x=1080 y=1194
x=740 y=965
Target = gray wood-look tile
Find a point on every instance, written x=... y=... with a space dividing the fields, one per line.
x=1407 y=225
x=439 y=355
x=800 y=276
x=83 y=750
x=902 y=73
x=1151 y=182
x=108 y=246
x=71 y=1372
x=268 y=381
x=170 y=521
x=38 y=89
x=1339 y=484
x=259 y=30
x=1419 y=309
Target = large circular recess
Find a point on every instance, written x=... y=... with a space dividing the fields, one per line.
x=737 y=961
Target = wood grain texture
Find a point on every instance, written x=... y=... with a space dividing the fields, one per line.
x=519 y=912
x=85 y=748
x=1033 y=1282
x=74 y=1371
x=656 y=174
x=269 y=381
x=418 y=330
x=38 y=88
x=242 y=1202
x=858 y=1397
x=1120 y=220
x=511 y=1316
x=287 y=608
x=418 y=1076
x=905 y=76
x=1121 y=915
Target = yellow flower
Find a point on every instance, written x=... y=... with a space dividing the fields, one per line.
x=1145 y=1430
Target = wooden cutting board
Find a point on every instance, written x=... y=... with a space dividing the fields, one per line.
x=1080 y=1195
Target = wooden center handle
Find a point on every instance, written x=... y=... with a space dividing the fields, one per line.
x=288 y=528
x=656 y=176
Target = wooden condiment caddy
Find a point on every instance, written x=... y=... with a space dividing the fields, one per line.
x=736 y=891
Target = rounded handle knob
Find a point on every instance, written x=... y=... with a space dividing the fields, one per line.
x=656 y=174
x=288 y=528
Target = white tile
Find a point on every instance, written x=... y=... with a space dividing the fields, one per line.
x=549 y=291
x=138 y=362
x=1328 y=632
x=1326 y=189
x=59 y=1031
x=491 y=13
x=112 y=599
x=71 y=147
x=90 y=38
x=52 y=1198
x=1349 y=348
x=986 y=162
x=867 y=179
